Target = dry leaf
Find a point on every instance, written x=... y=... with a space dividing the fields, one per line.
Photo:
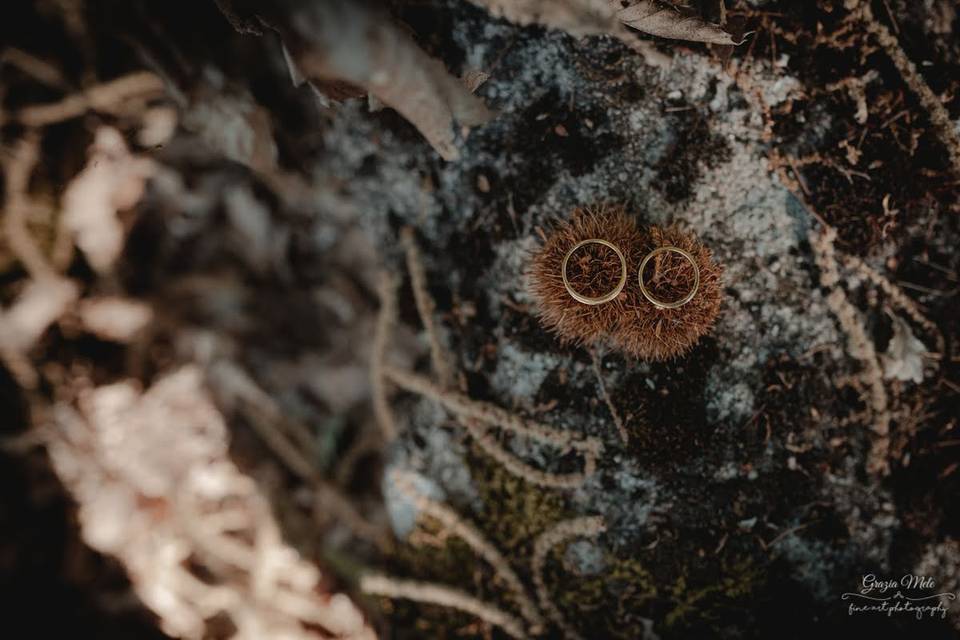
x=474 y=79
x=585 y=17
x=903 y=359
x=112 y=181
x=234 y=125
x=578 y=17
x=158 y=125
x=347 y=42
x=151 y=475
x=664 y=21
x=114 y=318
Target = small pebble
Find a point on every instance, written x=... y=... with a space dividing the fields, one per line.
x=483 y=184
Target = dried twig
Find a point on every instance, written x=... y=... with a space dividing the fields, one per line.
x=381 y=339
x=451 y=521
x=481 y=433
x=939 y=116
x=268 y=421
x=589 y=526
x=109 y=97
x=426 y=308
x=36 y=67
x=425 y=592
x=129 y=452
x=859 y=346
x=17 y=169
x=47 y=296
x=621 y=429
x=898 y=298
x=467 y=407
x=485 y=438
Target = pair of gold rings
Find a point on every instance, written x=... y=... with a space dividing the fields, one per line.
x=607 y=297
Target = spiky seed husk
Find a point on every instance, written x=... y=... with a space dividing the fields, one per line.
x=649 y=333
x=593 y=271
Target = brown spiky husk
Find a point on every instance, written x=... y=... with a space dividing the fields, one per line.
x=649 y=333
x=593 y=271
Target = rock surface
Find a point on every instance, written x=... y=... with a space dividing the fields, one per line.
x=750 y=494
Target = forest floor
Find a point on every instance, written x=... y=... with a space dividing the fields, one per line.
x=807 y=441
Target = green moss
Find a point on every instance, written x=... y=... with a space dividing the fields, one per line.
x=440 y=557
x=609 y=599
x=610 y=604
x=443 y=559
x=415 y=621
x=697 y=605
x=514 y=511
x=685 y=593
x=513 y=514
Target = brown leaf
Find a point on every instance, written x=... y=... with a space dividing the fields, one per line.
x=578 y=17
x=664 y=21
x=349 y=42
x=585 y=17
x=473 y=79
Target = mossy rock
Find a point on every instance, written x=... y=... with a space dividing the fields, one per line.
x=515 y=512
x=623 y=599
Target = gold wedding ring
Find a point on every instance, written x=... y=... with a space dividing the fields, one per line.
x=606 y=297
x=660 y=304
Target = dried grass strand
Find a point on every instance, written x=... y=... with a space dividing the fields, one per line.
x=425 y=307
x=386 y=320
x=475 y=540
x=17 y=170
x=108 y=97
x=898 y=299
x=37 y=68
x=428 y=593
x=475 y=427
x=939 y=116
x=265 y=418
x=467 y=407
x=617 y=420
x=586 y=527
x=859 y=346
x=489 y=444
